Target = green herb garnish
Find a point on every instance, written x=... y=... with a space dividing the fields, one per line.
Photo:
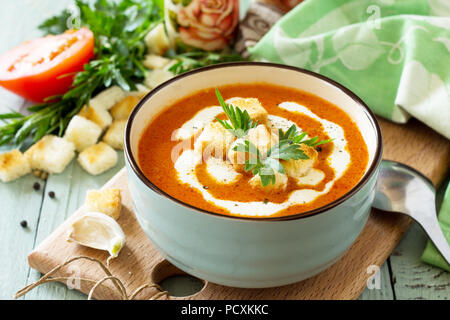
x=288 y=148
x=298 y=137
x=195 y=59
x=240 y=120
x=266 y=164
x=119 y=29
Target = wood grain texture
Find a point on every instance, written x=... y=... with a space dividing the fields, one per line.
x=344 y=280
x=381 y=290
x=411 y=277
x=17 y=242
x=69 y=197
x=19 y=202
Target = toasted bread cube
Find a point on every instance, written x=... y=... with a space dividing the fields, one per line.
x=98 y=115
x=153 y=61
x=141 y=91
x=13 y=165
x=123 y=108
x=254 y=108
x=157 y=41
x=214 y=140
x=115 y=133
x=98 y=158
x=259 y=137
x=281 y=181
x=51 y=154
x=107 y=201
x=156 y=77
x=237 y=158
x=108 y=98
x=82 y=132
x=299 y=168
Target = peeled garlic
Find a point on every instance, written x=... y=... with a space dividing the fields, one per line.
x=99 y=231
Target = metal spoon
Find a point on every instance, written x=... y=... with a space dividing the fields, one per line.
x=404 y=190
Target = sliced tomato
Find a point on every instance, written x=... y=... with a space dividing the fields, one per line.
x=38 y=69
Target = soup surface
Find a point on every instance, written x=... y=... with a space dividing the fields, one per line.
x=174 y=152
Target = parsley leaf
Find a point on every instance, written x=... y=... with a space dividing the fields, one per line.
x=297 y=137
x=288 y=148
x=119 y=29
x=240 y=120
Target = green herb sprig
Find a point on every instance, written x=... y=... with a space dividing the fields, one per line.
x=119 y=29
x=292 y=135
x=240 y=120
x=196 y=59
x=265 y=165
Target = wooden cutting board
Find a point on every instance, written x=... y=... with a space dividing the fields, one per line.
x=140 y=263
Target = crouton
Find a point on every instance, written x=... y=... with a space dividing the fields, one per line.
x=214 y=140
x=254 y=108
x=51 y=154
x=114 y=134
x=82 y=132
x=259 y=137
x=108 y=98
x=123 y=108
x=157 y=41
x=156 y=77
x=107 y=201
x=299 y=168
x=281 y=181
x=98 y=158
x=170 y=64
x=237 y=158
x=153 y=61
x=13 y=165
x=140 y=92
x=96 y=114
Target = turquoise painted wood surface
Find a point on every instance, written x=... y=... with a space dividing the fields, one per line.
x=403 y=276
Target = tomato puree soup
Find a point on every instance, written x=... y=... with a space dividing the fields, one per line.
x=189 y=154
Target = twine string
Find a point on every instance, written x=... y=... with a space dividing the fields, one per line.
x=97 y=283
x=123 y=292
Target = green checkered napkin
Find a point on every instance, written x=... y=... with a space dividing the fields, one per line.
x=395 y=55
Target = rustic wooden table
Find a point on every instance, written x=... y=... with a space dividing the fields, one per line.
x=403 y=276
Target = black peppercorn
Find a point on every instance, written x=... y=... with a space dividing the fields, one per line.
x=36 y=186
x=51 y=194
x=24 y=223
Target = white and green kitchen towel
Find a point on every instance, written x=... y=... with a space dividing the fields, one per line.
x=394 y=54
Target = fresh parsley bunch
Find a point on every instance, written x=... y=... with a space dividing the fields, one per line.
x=119 y=29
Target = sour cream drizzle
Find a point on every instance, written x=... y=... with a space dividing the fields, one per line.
x=339 y=160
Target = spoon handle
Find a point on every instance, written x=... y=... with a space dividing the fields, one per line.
x=432 y=228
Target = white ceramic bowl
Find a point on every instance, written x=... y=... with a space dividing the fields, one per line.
x=251 y=252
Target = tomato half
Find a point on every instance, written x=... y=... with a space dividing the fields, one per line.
x=36 y=69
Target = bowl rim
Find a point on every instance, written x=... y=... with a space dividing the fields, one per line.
x=363 y=181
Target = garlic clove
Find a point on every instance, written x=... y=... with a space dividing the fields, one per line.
x=99 y=231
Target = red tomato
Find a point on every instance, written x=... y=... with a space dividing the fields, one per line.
x=35 y=69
